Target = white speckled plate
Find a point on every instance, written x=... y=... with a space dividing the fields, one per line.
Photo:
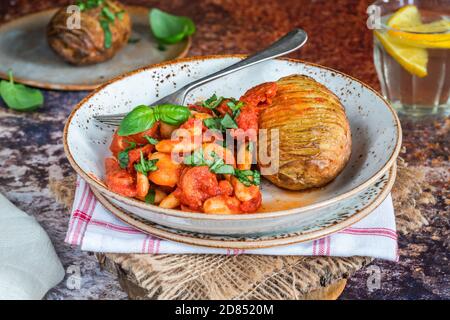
x=24 y=49
x=333 y=220
x=376 y=137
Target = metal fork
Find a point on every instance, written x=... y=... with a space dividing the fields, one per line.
x=288 y=43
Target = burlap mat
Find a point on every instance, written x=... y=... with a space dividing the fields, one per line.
x=146 y=276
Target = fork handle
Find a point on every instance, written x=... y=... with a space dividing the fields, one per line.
x=288 y=43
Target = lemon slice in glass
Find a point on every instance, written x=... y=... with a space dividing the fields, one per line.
x=405 y=17
x=413 y=59
x=430 y=35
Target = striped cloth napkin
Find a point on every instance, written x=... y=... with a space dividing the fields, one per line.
x=93 y=228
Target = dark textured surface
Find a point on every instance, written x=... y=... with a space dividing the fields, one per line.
x=31 y=150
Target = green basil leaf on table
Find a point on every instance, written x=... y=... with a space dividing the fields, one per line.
x=19 y=97
x=140 y=119
x=170 y=29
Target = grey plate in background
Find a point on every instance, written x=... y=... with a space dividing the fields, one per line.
x=24 y=49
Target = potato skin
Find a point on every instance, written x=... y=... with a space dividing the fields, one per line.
x=314 y=133
x=86 y=45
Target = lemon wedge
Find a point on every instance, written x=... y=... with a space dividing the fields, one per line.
x=405 y=17
x=414 y=59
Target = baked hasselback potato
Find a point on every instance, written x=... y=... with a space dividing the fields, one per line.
x=104 y=29
x=314 y=133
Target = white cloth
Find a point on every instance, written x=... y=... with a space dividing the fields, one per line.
x=29 y=266
x=95 y=229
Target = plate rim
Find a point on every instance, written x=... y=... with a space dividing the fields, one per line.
x=251 y=244
x=177 y=213
x=76 y=87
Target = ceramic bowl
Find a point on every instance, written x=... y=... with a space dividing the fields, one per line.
x=376 y=139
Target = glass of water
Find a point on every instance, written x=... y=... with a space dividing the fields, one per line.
x=412 y=54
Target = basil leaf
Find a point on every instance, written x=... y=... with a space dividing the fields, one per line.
x=19 y=97
x=151 y=140
x=213 y=123
x=146 y=166
x=228 y=122
x=150 y=197
x=256 y=178
x=106 y=33
x=219 y=167
x=213 y=102
x=235 y=106
x=89 y=4
x=123 y=155
x=225 y=169
x=120 y=14
x=171 y=114
x=108 y=14
x=138 y=120
x=195 y=159
x=170 y=29
x=243 y=177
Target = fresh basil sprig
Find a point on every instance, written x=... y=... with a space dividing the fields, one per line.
x=123 y=155
x=143 y=118
x=170 y=29
x=20 y=97
x=146 y=166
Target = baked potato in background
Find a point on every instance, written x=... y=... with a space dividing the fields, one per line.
x=87 y=45
x=314 y=133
